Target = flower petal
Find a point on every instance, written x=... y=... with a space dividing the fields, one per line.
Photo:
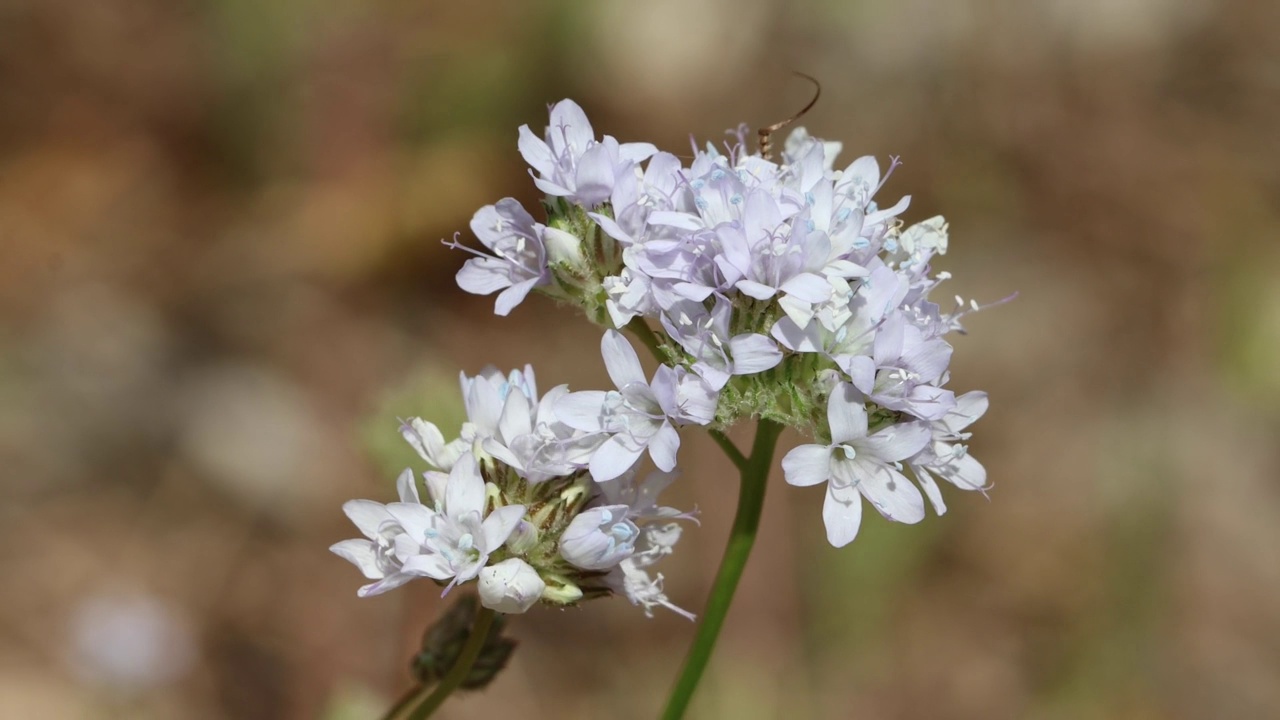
x=424 y=437
x=969 y=407
x=663 y=447
x=582 y=410
x=846 y=415
x=636 y=151
x=966 y=473
x=359 y=553
x=500 y=524
x=891 y=493
x=753 y=353
x=841 y=514
x=508 y=299
x=389 y=582
x=367 y=515
x=484 y=275
x=414 y=518
x=807 y=465
x=613 y=458
x=930 y=488
x=465 y=491
x=897 y=442
x=620 y=360
x=570 y=127
x=594 y=177
x=436 y=483
x=407 y=487
x=430 y=565
x=535 y=151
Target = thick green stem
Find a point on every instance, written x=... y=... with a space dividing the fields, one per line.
x=459 y=671
x=754 y=473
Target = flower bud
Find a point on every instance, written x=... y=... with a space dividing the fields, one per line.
x=561 y=591
x=599 y=538
x=523 y=538
x=511 y=586
x=564 y=248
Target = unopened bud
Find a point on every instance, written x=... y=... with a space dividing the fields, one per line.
x=564 y=248
x=599 y=538
x=561 y=591
x=523 y=538
x=511 y=586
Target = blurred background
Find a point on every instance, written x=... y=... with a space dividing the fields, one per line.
x=221 y=282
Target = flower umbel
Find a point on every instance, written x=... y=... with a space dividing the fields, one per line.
x=789 y=293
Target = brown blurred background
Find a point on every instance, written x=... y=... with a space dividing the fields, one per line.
x=221 y=281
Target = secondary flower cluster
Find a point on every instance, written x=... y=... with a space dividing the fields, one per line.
x=511 y=502
x=776 y=290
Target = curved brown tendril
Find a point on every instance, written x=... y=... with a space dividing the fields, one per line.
x=766 y=133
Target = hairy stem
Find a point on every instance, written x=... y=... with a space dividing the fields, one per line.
x=457 y=673
x=754 y=474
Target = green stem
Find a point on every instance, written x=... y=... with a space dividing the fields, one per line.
x=644 y=334
x=460 y=669
x=735 y=455
x=754 y=480
x=404 y=702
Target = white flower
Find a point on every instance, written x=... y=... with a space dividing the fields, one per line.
x=599 y=538
x=857 y=465
x=511 y=586
x=641 y=499
x=507 y=421
x=429 y=442
x=946 y=457
x=408 y=539
x=633 y=580
x=376 y=555
x=640 y=415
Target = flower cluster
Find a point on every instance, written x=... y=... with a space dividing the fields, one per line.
x=512 y=503
x=775 y=290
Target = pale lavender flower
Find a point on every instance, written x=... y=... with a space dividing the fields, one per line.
x=905 y=370
x=519 y=260
x=639 y=415
x=637 y=195
x=946 y=456
x=679 y=268
x=717 y=355
x=571 y=163
x=629 y=294
x=857 y=465
x=853 y=204
x=769 y=253
x=845 y=328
